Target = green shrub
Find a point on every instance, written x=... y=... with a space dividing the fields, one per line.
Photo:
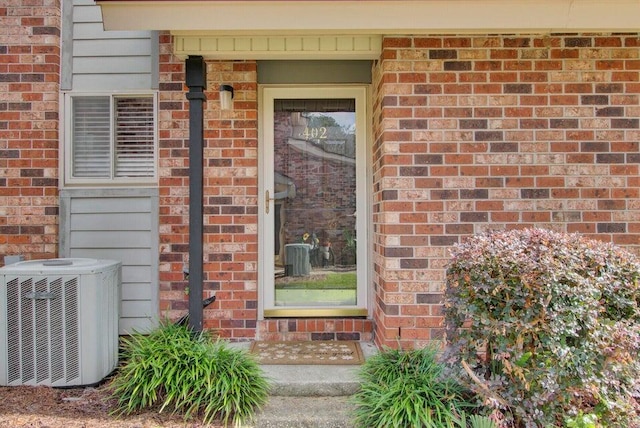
x=189 y=374
x=545 y=326
x=478 y=421
x=474 y=421
x=583 y=421
x=406 y=389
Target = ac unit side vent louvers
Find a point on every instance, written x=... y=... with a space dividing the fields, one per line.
x=13 y=330
x=72 y=353
x=61 y=328
x=43 y=341
x=57 y=332
x=42 y=321
x=25 y=329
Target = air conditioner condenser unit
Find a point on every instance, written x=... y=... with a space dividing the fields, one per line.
x=59 y=321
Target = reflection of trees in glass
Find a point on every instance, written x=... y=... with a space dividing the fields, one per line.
x=323 y=119
x=350 y=247
x=338 y=138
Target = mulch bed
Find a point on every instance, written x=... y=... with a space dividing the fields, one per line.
x=88 y=407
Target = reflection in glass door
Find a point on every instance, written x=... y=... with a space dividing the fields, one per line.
x=312 y=198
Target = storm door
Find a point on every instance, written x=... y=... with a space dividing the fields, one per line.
x=313 y=241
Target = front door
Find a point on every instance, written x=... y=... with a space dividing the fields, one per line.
x=313 y=226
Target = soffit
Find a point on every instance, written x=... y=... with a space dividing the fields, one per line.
x=255 y=17
x=341 y=29
x=279 y=47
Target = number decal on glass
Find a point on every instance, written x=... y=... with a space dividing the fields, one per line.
x=314 y=133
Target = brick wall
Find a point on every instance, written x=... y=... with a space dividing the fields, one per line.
x=473 y=133
x=470 y=133
x=230 y=205
x=29 y=91
x=230 y=189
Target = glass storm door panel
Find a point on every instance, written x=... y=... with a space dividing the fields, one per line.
x=313 y=191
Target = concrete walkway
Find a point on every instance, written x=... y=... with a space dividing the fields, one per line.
x=310 y=396
x=305 y=412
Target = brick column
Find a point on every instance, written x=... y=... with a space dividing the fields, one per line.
x=29 y=92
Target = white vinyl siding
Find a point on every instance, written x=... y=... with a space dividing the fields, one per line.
x=109 y=202
x=107 y=60
x=118 y=224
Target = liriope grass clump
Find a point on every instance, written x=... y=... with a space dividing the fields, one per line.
x=407 y=389
x=175 y=369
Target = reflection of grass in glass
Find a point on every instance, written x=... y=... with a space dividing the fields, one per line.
x=331 y=281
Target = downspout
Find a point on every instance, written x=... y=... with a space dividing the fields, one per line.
x=196 y=80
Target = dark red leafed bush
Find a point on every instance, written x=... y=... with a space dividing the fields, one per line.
x=545 y=327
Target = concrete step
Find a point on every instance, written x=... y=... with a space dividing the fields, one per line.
x=305 y=412
x=312 y=381
x=310 y=396
x=316 y=381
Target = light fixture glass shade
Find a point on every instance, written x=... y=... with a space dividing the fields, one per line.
x=226 y=97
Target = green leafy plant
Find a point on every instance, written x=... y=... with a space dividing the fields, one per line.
x=478 y=421
x=406 y=389
x=350 y=247
x=583 y=421
x=544 y=325
x=188 y=373
x=473 y=421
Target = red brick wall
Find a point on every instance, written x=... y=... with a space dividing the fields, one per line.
x=29 y=88
x=230 y=189
x=484 y=132
x=230 y=205
x=470 y=133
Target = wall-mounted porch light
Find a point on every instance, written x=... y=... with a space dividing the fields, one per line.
x=226 y=97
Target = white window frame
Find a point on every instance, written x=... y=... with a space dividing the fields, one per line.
x=67 y=141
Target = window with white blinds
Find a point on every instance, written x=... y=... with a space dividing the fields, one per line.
x=113 y=138
x=91 y=146
x=134 y=137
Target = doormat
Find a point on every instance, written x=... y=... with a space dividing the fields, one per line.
x=341 y=352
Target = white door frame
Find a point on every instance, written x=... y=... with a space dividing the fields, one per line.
x=266 y=261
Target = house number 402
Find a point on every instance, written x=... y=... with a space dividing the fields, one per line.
x=319 y=133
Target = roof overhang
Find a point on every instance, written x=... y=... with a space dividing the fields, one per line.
x=370 y=17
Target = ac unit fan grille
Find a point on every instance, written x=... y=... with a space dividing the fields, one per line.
x=43 y=330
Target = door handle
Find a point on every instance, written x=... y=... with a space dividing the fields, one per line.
x=267 y=201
